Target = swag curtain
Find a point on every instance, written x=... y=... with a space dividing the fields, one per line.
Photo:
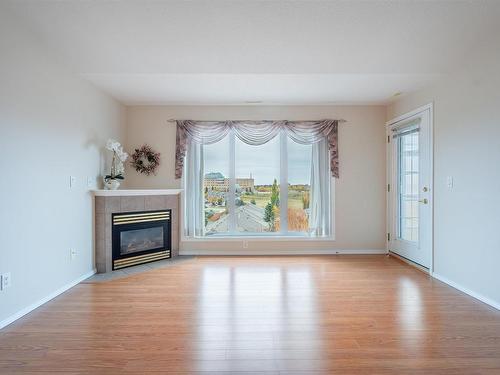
x=256 y=133
x=192 y=135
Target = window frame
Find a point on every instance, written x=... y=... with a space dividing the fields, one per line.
x=232 y=234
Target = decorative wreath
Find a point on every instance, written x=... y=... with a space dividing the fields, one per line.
x=145 y=160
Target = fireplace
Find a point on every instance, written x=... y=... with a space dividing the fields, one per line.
x=141 y=237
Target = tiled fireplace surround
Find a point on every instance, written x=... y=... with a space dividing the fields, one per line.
x=109 y=202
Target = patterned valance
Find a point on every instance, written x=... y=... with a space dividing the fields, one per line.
x=256 y=133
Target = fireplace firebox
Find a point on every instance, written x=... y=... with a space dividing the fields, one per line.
x=141 y=237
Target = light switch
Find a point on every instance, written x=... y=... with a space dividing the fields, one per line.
x=72 y=181
x=5 y=281
x=90 y=182
x=449 y=182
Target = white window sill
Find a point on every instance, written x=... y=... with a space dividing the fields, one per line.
x=257 y=238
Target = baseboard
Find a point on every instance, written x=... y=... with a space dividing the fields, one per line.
x=409 y=262
x=283 y=252
x=46 y=299
x=471 y=293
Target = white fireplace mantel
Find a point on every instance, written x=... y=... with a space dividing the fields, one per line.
x=132 y=192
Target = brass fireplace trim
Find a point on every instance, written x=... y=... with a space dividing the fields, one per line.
x=132 y=261
x=141 y=218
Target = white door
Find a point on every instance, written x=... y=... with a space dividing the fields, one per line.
x=410 y=186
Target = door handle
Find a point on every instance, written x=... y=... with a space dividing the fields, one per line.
x=424 y=201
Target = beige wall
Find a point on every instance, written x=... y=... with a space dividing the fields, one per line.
x=52 y=125
x=466 y=147
x=359 y=192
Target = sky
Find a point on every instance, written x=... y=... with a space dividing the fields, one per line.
x=263 y=162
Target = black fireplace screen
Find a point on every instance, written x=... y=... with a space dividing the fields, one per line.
x=132 y=241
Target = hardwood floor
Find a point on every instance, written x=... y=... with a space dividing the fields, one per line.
x=265 y=315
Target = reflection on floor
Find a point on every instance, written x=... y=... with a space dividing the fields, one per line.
x=267 y=315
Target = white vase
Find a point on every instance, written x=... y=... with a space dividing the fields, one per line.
x=111 y=184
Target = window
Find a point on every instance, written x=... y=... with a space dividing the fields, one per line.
x=299 y=185
x=257 y=193
x=216 y=187
x=261 y=190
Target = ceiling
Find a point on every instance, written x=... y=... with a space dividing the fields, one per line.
x=274 y=52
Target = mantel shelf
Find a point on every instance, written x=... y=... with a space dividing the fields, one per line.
x=132 y=192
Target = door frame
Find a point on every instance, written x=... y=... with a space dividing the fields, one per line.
x=389 y=204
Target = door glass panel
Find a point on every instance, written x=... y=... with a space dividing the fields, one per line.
x=408 y=173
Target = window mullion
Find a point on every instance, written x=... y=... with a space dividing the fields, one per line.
x=232 y=184
x=283 y=183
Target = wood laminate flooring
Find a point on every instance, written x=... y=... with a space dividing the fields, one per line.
x=344 y=314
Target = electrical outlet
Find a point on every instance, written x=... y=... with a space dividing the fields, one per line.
x=5 y=280
x=72 y=254
x=245 y=244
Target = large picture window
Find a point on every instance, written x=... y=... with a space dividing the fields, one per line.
x=264 y=189
x=257 y=178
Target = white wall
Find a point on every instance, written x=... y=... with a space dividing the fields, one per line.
x=359 y=196
x=467 y=147
x=52 y=125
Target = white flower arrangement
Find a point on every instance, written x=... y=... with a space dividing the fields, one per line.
x=119 y=157
x=116 y=147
